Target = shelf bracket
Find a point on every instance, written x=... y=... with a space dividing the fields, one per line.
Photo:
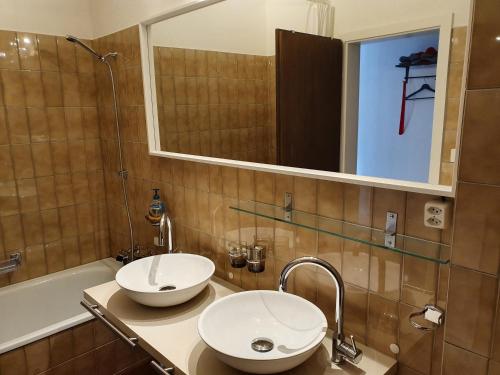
x=390 y=229
x=288 y=207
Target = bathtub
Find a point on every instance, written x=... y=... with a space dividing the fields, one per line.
x=40 y=307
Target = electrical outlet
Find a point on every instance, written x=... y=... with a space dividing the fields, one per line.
x=437 y=214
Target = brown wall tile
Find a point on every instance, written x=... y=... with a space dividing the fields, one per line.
x=480 y=156
x=460 y=361
x=477 y=240
x=485 y=49
x=415 y=346
x=382 y=326
x=471 y=310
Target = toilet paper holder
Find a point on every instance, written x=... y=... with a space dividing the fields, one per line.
x=432 y=313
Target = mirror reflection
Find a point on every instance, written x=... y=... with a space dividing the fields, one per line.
x=326 y=85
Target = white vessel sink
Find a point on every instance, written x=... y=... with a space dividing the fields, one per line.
x=165 y=280
x=239 y=325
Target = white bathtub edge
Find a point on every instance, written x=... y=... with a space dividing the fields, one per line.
x=45 y=332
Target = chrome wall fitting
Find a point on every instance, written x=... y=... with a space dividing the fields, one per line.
x=390 y=229
x=12 y=264
x=432 y=313
x=288 y=207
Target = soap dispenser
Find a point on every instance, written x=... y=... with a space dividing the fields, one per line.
x=158 y=217
x=156 y=208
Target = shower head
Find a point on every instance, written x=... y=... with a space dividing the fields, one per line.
x=74 y=39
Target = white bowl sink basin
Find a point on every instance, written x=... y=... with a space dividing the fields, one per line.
x=165 y=280
x=239 y=325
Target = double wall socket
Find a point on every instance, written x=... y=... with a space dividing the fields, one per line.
x=437 y=214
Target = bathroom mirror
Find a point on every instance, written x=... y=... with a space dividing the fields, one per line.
x=355 y=91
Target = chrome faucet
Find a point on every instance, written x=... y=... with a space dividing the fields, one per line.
x=341 y=350
x=166 y=235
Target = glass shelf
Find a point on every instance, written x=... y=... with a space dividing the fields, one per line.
x=405 y=245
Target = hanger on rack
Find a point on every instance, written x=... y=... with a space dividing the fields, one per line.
x=424 y=87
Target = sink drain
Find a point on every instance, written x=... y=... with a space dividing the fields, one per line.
x=262 y=345
x=167 y=287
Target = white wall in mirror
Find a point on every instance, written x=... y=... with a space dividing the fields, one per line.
x=109 y=16
x=275 y=17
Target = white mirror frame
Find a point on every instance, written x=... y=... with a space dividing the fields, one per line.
x=443 y=23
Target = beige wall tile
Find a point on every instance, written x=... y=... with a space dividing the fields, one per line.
x=385 y=273
x=419 y=278
x=35 y=258
x=46 y=192
x=33 y=89
x=54 y=256
x=8 y=198
x=28 y=196
x=17 y=121
x=6 y=166
x=358 y=204
x=13 y=90
x=22 y=160
x=52 y=88
x=355 y=310
x=51 y=229
x=42 y=159
x=356 y=258
x=305 y=194
x=4 y=132
x=48 y=52
x=8 y=45
x=246 y=185
x=66 y=53
x=32 y=228
x=330 y=199
x=458 y=41
x=13 y=238
x=382 y=323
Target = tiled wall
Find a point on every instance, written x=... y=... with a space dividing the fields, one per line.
x=382 y=288
x=52 y=202
x=215 y=104
x=473 y=320
x=90 y=348
x=453 y=98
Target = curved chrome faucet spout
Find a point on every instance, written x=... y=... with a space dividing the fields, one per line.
x=166 y=233
x=341 y=349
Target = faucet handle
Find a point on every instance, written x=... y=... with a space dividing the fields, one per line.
x=353 y=343
x=347 y=351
